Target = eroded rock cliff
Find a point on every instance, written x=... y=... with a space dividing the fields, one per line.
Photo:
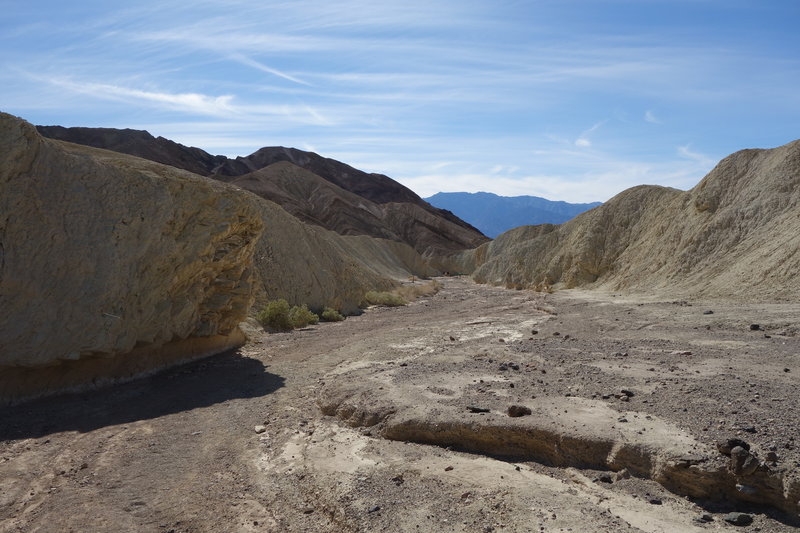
x=103 y=254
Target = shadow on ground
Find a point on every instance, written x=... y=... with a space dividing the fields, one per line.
x=220 y=378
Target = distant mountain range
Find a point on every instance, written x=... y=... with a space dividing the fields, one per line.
x=493 y=214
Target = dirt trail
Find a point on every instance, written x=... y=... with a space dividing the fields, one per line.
x=178 y=451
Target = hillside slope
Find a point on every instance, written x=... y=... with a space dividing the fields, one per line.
x=736 y=234
x=112 y=265
x=493 y=214
x=429 y=230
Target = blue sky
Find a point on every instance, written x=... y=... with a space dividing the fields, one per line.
x=568 y=99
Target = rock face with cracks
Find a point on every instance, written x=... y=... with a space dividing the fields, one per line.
x=104 y=254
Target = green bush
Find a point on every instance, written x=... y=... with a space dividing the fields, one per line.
x=388 y=299
x=275 y=315
x=300 y=316
x=331 y=315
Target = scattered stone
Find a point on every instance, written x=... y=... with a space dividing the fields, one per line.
x=260 y=429
x=308 y=510
x=772 y=457
x=374 y=509
x=452 y=339
x=605 y=478
x=681 y=352
x=655 y=501
x=474 y=409
x=513 y=366
x=627 y=392
x=501 y=340
x=515 y=411
x=403 y=364
x=705 y=518
x=749 y=429
x=622 y=474
x=534 y=332
x=625 y=398
x=755 y=327
x=725 y=446
x=742 y=463
x=738 y=519
x=556 y=334
x=708 y=312
x=786 y=370
x=398 y=480
x=503 y=367
x=448 y=469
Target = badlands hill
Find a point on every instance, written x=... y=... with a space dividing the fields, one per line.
x=352 y=202
x=493 y=214
x=735 y=234
x=111 y=265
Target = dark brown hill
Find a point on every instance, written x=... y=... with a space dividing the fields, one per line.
x=315 y=200
x=429 y=230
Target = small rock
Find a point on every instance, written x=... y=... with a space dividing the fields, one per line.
x=738 y=519
x=655 y=501
x=556 y=334
x=622 y=419
x=627 y=392
x=501 y=340
x=518 y=410
x=786 y=370
x=681 y=352
x=374 y=509
x=755 y=327
x=534 y=332
x=452 y=338
x=403 y=364
x=749 y=429
x=622 y=474
x=398 y=480
x=705 y=518
x=725 y=446
x=742 y=463
x=308 y=510
x=625 y=399
x=709 y=312
x=772 y=457
x=448 y=469
x=513 y=366
x=503 y=367
x=474 y=409
x=605 y=478
x=260 y=429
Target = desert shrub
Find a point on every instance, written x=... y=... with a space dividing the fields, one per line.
x=331 y=315
x=389 y=299
x=300 y=316
x=275 y=315
x=414 y=291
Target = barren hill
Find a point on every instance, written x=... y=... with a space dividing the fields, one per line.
x=427 y=229
x=737 y=233
x=112 y=265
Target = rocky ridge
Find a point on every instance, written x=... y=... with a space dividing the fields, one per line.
x=429 y=230
x=735 y=234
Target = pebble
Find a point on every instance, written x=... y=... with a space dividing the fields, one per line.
x=725 y=446
x=709 y=312
x=755 y=327
x=518 y=410
x=738 y=519
x=260 y=429
x=655 y=501
x=475 y=409
x=605 y=478
x=374 y=509
x=448 y=468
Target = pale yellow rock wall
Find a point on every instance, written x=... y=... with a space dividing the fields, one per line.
x=101 y=253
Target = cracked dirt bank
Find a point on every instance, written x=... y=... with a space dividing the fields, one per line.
x=620 y=390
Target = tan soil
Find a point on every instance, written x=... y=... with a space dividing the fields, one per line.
x=178 y=452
